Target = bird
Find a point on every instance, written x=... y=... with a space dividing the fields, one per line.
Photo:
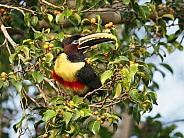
x=71 y=69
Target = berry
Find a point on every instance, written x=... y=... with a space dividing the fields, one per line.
x=3 y=75
x=53 y=38
x=110 y=24
x=2 y=10
x=95 y=113
x=132 y=46
x=107 y=26
x=71 y=102
x=46 y=46
x=51 y=45
x=93 y=21
x=45 y=135
x=4 y=79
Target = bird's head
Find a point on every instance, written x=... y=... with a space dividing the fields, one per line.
x=76 y=44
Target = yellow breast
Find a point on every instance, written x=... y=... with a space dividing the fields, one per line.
x=67 y=69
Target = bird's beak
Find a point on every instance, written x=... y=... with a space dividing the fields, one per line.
x=93 y=39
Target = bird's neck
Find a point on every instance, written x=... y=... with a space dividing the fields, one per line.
x=76 y=58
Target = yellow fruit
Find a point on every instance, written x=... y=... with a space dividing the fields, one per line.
x=132 y=46
x=71 y=102
x=50 y=49
x=71 y=107
x=95 y=113
x=53 y=38
x=31 y=43
x=107 y=26
x=4 y=79
x=51 y=45
x=45 y=135
x=98 y=119
x=46 y=46
x=110 y=24
x=47 y=43
x=93 y=21
x=131 y=63
x=3 y=74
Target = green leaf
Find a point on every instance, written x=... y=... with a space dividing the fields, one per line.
x=135 y=95
x=17 y=85
x=67 y=13
x=49 y=114
x=163 y=27
x=27 y=19
x=126 y=2
x=133 y=70
x=136 y=112
x=77 y=99
x=37 y=35
x=59 y=17
x=170 y=16
x=123 y=58
x=49 y=57
x=96 y=127
x=12 y=57
x=144 y=11
x=153 y=97
x=50 y=17
x=76 y=115
x=72 y=129
x=1 y=83
x=19 y=124
x=167 y=67
x=67 y=117
x=106 y=75
x=99 y=20
x=78 y=18
x=79 y=5
x=38 y=76
x=34 y=20
x=36 y=124
x=87 y=112
x=118 y=90
x=60 y=36
x=26 y=51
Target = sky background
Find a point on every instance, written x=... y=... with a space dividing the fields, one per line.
x=171 y=91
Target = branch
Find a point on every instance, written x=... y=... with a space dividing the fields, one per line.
x=7 y=36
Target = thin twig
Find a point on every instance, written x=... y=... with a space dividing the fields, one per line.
x=45 y=97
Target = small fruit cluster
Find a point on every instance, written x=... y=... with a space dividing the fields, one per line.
x=48 y=46
x=4 y=12
x=56 y=12
x=3 y=76
x=102 y=118
x=109 y=25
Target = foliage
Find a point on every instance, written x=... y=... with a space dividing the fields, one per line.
x=153 y=128
x=34 y=38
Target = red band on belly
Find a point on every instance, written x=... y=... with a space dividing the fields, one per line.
x=75 y=85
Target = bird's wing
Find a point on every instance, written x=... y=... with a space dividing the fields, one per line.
x=88 y=77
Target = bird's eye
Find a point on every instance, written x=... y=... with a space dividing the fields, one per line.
x=75 y=42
